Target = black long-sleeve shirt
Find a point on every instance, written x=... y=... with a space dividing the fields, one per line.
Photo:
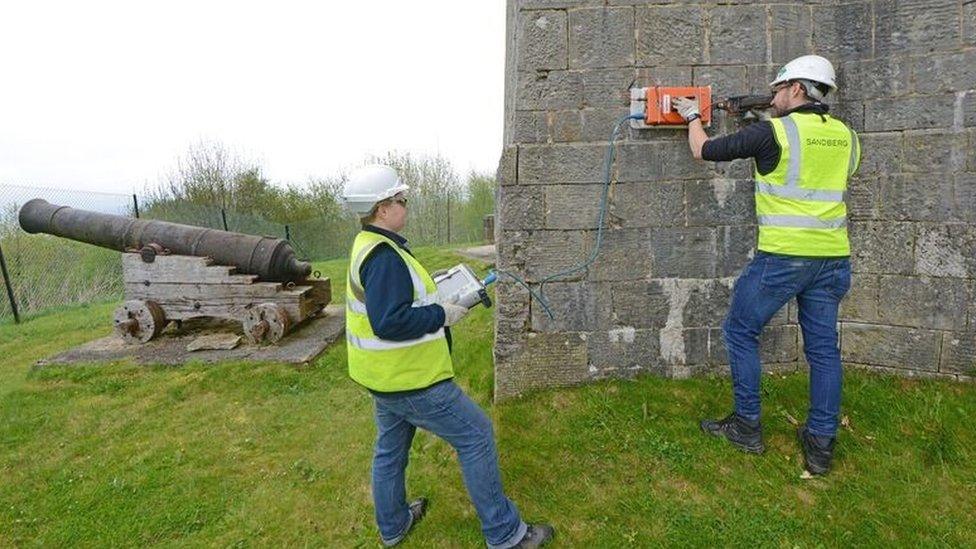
x=754 y=141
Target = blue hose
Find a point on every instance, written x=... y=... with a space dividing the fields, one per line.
x=607 y=163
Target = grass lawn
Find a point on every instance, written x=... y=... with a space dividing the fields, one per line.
x=274 y=455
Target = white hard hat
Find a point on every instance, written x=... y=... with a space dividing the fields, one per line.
x=807 y=67
x=368 y=185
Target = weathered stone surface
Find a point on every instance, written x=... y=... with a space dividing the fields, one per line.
x=530 y=127
x=875 y=78
x=910 y=113
x=969 y=23
x=861 y=304
x=959 y=353
x=624 y=349
x=916 y=25
x=882 y=247
x=890 y=346
x=548 y=252
x=656 y=204
x=543 y=90
x=964 y=195
x=849 y=112
x=542 y=40
x=726 y=80
x=945 y=72
x=842 y=32
x=733 y=36
x=684 y=252
x=641 y=304
x=777 y=344
x=923 y=302
x=936 y=152
x=560 y=164
x=791 y=32
x=512 y=307
x=914 y=198
x=505 y=174
x=520 y=207
x=881 y=153
x=664 y=76
x=575 y=306
x=572 y=206
x=597 y=123
x=624 y=255
x=863 y=197
x=720 y=202
x=601 y=37
x=946 y=250
x=656 y=160
x=670 y=35
x=535 y=361
x=607 y=88
x=708 y=303
x=735 y=247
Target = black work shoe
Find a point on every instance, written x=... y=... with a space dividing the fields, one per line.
x=738 y=431
x=537 y=535
x=418 y=508
x=818 y=451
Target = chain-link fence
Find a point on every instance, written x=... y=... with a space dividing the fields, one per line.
x=44 y=271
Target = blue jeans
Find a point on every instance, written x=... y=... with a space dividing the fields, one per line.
x=764 y=286
x=446 y=411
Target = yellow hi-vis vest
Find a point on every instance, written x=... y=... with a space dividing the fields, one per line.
x=381 y=364
x=800 y=204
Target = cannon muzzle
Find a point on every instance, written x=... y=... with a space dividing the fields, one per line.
x=270 y=258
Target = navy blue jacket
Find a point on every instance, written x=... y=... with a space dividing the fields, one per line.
x=389 y=294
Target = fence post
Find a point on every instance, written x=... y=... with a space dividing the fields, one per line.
x=135 y=204
x=10 y=289
x=223 y=217
x=287 y=234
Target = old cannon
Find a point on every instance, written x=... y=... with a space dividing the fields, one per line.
x=175 y=272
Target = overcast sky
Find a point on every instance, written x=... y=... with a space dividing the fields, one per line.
x=105 y=95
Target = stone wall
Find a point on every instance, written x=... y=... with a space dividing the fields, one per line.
x=680 y=230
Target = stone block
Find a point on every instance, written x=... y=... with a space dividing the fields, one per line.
x=971 y=158
x=733 y=35
x=725 y=80
x=670 y=35
x=917 y=198
x=598 y=123
x=890 y=346
x=572 y=206
x=919 y=26
x=685 y=351
x=608 y=88
x=624 y=349
x=707 y=302
x=684 y=252
x=735 y=247
x=881 y=153
x=548 y=90
x=664 y=76
x=601 y=37
x=964 y=195
x=849 y=112
x=524 y=5
x=530 y=127
x=790 y=31
x=778 y=344
x=842 y=32
x=512 y=307
x=720 y=202
x=947 y=250
x=650 y=161
x=958 y=353
x=862 y=301
x=945 y=72
x=936 y=152
x=863 y=197
x=560 y=164
x=758 y=77
x=547 y=252
x=882 y=247
x=640 y=303
x=575 y=306
x=565 y=126
x=965 y=109
x=872 y=79
x=625 y=254
x=505 y=174
x=969 y=23
x=536 y=361
x=541 y=40
x=910 y=113
x=520 y=207
x=924 y=302
x=657 y=204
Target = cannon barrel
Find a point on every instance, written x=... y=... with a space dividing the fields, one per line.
x=270 y=258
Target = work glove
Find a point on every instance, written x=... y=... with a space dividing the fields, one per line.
x=453 y=313
x=687 y=108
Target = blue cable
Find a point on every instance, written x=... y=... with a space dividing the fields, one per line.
x=607 y=163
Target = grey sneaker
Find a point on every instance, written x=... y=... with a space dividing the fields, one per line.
x=537 y=535
x=418 y=508
x=818 y=451
x=743 y=434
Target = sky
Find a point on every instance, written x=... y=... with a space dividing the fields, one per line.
x=107 y=95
